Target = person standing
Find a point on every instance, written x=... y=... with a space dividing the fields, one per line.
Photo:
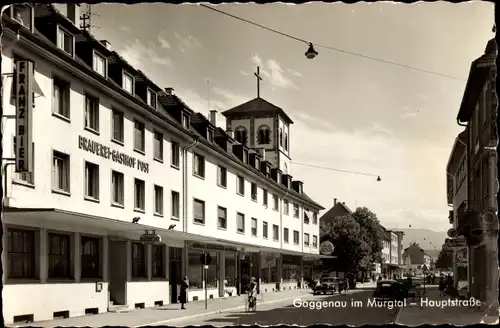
x=184 y=292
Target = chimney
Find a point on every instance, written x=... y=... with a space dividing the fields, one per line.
x=170 y=91
x=334 y=201
x=106 y=44
x=213 y=117
x=73 y=13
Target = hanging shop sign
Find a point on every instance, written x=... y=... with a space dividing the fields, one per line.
x=24 y=116
x=326 y=248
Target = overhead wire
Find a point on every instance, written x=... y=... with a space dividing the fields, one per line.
x=330 y=47
x=333 y=169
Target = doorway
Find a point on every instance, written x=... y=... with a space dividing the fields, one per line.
x=175 y=273
x=118 y=272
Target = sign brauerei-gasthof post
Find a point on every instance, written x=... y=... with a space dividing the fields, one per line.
x=104 y=151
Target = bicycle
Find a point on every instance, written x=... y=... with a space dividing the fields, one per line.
x=250 y=303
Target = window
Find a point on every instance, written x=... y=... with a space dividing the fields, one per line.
x=295 y=210
x=91 y=113
x=175 y=150
x=117 y=186
x=241 y=186
x=264 y=135
x=117 y=122
x=240 y=134
x=315 y=218
x=245 y=156
x=199 y=211
x=21 y=254
x=185 y=121
x=151 y=98
x=306 y=217
x=139 y=134
x=254 y=227
x=60 y=171
x=99 y=64
x=91 y=260
x=27 y=177
x=139 y=195
x=281 y=137
x=158 y=150
x=60 y=97
x=138 y=261
x=91 y=180
x=221 y=217
x=253 y=190
x=158 y=261
x=295 y=237
x=264 y=198
x=485 y=178
x=264 y=229
x=221 y=176
x=128 y=82
x=23 y=14
x=286 y=142
x=59 y=255
x=210 y=135
x=199 y=165
x=275 y=202
x=285 y=235
x=65 y=41
x=158 y=200
x=240 y=222
x=276 y=232
x=315 y=241
x=286 y=207
x=175 y=205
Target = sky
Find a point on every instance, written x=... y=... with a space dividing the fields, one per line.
x=350 y=113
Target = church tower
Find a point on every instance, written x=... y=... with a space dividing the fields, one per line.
x=262 y=126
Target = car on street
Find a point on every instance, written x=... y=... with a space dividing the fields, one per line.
x=328 y=285
x=390 y=290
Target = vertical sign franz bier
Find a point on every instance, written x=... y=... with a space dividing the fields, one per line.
x=24 y=111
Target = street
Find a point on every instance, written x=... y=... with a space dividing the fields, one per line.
x=288 y=313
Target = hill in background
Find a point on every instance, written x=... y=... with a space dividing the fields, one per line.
x=430 y=240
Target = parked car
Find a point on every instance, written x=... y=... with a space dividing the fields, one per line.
x=328 y=285
x=390 y=290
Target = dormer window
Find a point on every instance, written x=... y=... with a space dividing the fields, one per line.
x=23 y=14
x=245 y=156
x=151 y=98
x=128 y=82
x=99 y=64
x=65 y=41
x=210 y=135
x=257 y=163
x=185 y=121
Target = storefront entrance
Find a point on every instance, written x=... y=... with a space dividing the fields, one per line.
x=175 y=273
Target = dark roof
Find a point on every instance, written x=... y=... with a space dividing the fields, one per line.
x=38 y=38
x=256 y=106
x=337 y=210
x=479 y=71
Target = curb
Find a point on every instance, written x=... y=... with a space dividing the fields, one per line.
x=197 y=315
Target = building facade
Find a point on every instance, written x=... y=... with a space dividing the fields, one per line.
x=456 y=170
x=415 y=260
x=392 y=253
x=119 y=162
x=476 y=216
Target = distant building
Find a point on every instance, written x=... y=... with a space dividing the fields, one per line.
x=338 y=209
x=475 y=217
x=414 y=259
x=392 y=252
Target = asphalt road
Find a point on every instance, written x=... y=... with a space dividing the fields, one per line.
x=337 y=310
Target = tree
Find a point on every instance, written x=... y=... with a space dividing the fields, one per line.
x=444 y=260
x=350 y=247
x=372 y=233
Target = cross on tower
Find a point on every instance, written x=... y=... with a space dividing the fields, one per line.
x=259 y=79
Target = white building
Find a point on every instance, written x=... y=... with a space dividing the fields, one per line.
x=392 y=253
x=115 y=156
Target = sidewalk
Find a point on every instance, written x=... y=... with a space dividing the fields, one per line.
x=169 y=313
x=415 y=315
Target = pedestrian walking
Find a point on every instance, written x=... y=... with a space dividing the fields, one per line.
x=441 y=285
x=184 y=292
